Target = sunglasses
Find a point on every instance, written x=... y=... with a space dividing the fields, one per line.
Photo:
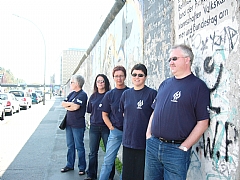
x=100 y=81
x=174 y=58
x=139 y=75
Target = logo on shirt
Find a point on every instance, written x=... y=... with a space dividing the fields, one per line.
x=79 y=101
x=176 y=96
x=100 y=105
x=139 y=104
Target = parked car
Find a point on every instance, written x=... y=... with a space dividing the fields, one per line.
x=41 y=94
x=2 y=111
x=23 y=97
x=10 y=102
x=40 y=97
x=36 y=98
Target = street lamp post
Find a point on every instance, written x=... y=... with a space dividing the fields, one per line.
x=44 y=81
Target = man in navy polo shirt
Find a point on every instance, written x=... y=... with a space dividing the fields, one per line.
x=180 y=117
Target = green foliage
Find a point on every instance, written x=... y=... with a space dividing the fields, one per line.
x=9 y=77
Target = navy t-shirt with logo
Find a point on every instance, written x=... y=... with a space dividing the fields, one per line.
x=110 y=105
x=76 y=119
x=179 y=104
x=136 y=107
x=92 y=107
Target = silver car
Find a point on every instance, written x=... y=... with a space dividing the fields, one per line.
x=10 y=102
x=23 y=97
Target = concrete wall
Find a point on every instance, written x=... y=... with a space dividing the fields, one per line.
x=143 y=32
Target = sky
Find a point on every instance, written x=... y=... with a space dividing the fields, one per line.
x=34 y=29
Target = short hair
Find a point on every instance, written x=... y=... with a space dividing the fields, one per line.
x=106 y=81
x=186 y=50
x=141 y=67
x=79 y=79
x=119 y=68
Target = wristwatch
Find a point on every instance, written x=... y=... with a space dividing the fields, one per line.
x=183 y=148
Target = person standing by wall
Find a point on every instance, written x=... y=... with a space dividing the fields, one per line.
x=113 y=119
x=75 y=104
x=135 y=104
x=180 y=117
x=98 y=128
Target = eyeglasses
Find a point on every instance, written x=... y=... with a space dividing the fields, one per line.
x=139 y=75
x=175 y=58
x=100 y=81
x=120 y=76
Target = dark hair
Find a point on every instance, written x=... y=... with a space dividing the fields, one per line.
x=106 y=81
x=141 y=67
x=119 y=68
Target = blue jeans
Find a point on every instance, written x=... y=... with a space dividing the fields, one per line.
x=113 y=144
x=74 y=137
x=95 y=135
x=165 y=161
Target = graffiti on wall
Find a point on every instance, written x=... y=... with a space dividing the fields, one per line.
x=207 y=26
x=157 y=39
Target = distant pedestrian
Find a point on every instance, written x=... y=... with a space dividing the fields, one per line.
x=113 y=119
x=135 y=104
x=75 y=104
x=98 y=129
x=180 y=117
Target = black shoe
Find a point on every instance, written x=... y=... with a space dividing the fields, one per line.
x=81 y=172
x=66 y=169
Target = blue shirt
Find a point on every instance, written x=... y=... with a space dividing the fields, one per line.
x=136 y=106
x=76 y=119
x=179 y=104
x=92 y=107
x=110 y=105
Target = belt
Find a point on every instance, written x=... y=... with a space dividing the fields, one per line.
x=172 y=141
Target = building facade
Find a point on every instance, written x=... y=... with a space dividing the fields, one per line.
x=70 y=59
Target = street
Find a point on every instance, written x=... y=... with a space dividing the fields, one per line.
x=32 y=147
x=16 y=130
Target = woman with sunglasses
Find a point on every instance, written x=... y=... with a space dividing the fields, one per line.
x=113 y=119
x=98 y=128
x=135 y=104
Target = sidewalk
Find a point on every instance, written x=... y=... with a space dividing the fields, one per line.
x=43 y=156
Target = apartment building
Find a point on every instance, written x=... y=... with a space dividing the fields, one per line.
x=69 y=61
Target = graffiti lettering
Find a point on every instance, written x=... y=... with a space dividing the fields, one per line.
x=215 y=149
x=228 y=34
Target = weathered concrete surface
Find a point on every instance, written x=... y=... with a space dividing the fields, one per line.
x=143 y=31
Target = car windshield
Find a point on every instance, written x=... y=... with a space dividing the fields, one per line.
x=39 y=92
x=3 y=96
x=18 y=93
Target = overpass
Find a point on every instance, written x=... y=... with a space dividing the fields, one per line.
x=29 y=85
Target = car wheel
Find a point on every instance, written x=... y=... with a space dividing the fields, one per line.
x=10 y=113
x=2 y=116
x=18 y=110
